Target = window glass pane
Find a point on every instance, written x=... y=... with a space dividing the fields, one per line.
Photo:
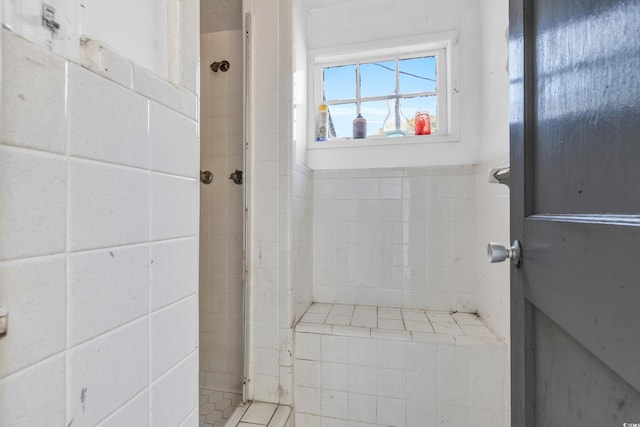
x=341 y=116
x=377 y=78
x=410 y=106
x=418 y=75
x=340 y=82
x=375 y=113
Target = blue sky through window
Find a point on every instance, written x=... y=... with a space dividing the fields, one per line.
x=377 y=80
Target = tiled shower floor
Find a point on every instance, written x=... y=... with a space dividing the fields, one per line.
x=216 y=407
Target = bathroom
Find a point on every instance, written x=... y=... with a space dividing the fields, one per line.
x=402 y=227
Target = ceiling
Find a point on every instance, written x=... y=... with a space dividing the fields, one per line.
x=220 y=15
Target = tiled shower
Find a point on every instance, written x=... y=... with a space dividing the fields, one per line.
x=221 y=228
x=366 y=280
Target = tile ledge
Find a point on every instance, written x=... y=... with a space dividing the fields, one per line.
x=106 y=62
x=400 y=335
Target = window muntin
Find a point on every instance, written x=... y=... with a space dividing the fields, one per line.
x=362 y=87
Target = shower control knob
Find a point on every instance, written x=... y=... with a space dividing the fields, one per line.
x=498 y=253
x=3 y=321
x=206 y=177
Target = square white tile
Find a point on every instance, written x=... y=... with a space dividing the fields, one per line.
x=173 y=270
x=335 y=349
x=34 y=292
x=33 y=109
x=175 y=395
x=106 y=372
x=35 y=396
x=113 y=129
x=173 y=335
x=33 y=196
x=259 y=413
x=362 y=407
x=173 y=141
x=171 y=207
x=154 y=87
x=108 y=205
x=133 y=413
x=107 y=288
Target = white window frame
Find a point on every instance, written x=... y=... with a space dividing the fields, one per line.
x=442 y=45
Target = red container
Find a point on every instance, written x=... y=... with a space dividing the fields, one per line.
x=422 y=124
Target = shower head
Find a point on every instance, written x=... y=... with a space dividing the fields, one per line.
x=222 y=66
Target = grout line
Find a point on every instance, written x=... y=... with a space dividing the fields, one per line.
x=67 y=240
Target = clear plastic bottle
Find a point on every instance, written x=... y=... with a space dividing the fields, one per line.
x=395 y=124
x=322 y=125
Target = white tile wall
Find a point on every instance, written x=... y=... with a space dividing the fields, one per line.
x=395 y=237
x=79 y=235
x=492 y=291
x=410 y=380
x=302 y=238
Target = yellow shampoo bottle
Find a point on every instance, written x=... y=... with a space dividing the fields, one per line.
x=322 y=124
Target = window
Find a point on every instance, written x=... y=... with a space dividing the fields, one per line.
x=387 y=86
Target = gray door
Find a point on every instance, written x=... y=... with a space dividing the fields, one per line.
x=575 y=186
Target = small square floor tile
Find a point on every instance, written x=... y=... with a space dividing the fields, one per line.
x=259 y=413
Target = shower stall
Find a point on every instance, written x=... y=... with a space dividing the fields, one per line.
x=221 y=226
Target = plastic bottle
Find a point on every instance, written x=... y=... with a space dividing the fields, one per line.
x=359 y=127
x=422 y=123
x=322 y=124
x=395 y=124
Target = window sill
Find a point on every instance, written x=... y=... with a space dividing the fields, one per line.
x=382 y=152
x=379 y=141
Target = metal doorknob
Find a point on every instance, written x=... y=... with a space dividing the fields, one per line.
x=498 y=253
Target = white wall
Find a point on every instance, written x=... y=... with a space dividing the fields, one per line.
x=302 y=179
x=149 y=32
x=495 y=80
x=98 y=232
x=301 y=130
x=493 y=199
x=302 y=242
x=492 y=293
x=270 y=201
x=221 y=215
x=105 y=20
